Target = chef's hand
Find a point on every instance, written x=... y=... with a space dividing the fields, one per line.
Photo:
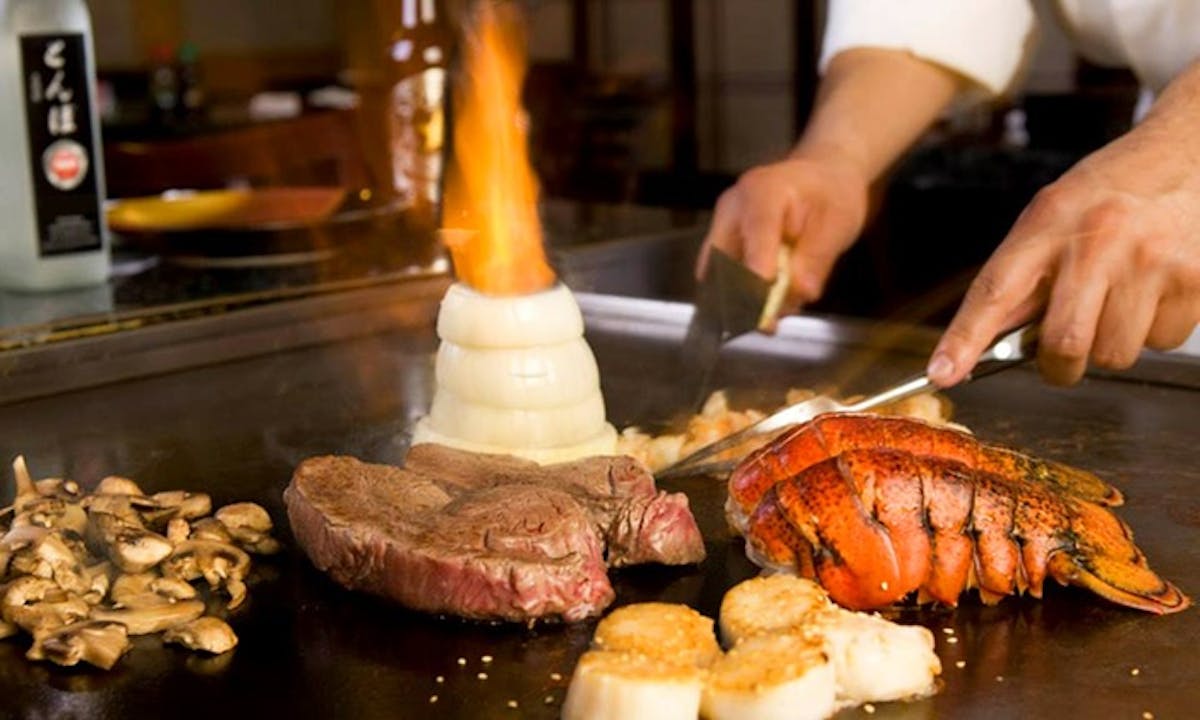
x=872 y=105
x=816 y=205
x=1110 y=252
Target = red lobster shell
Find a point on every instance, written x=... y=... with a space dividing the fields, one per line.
x=877 y=508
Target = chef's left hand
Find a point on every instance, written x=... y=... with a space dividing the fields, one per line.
x=1110 y=252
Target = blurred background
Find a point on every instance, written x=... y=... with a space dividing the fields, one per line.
x=642 y=112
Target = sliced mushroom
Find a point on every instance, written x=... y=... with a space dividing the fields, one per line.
x=26 y=490
x=59 y=488
x=39 y=606
x=51 y=512
x=95 y=642
x=208 y=634
x=152 y=618
x=119 y=505
x=98 y=582
x=51 y=558
x=15 y=541
x=117 y=485
x=147 y=590
x=22 y=536
x=244 y=520
x=183 y=504
x=211 y=529
x=218 y=563
x=131 y=548
x=250 y=526
x=178 y=530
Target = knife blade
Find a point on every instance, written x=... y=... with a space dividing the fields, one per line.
x=731 y=300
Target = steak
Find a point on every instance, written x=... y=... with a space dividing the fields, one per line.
x=489 y=537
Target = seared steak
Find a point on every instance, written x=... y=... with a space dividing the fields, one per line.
x=487 y=536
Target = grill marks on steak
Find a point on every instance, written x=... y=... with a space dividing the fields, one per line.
x=486 y=536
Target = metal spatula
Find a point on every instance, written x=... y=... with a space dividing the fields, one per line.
x=1007 y=351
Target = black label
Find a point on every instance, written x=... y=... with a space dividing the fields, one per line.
x=61 y=152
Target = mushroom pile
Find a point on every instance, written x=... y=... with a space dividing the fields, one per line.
x=81 y=573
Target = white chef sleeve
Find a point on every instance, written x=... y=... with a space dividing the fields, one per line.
x=985 y=40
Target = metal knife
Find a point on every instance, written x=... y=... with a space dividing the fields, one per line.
x=731 y=300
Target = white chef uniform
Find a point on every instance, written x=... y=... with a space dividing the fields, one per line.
x=989 y=41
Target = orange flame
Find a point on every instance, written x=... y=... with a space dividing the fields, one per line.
x=494 y=235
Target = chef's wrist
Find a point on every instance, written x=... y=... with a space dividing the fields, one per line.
x=843 y=155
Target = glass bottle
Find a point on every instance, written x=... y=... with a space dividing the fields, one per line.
x=419 y=51
x=52 y=230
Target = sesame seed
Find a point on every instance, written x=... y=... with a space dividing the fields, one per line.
x=482 y=676
x=883 y=585
x=512 y=704
x=439 y=679
x=960 y=664
x=462 y=662
x=999 y=678
x=432 y=699
x=556 y=677
x=948 y=630
x=1135 y=672
x=549 y=700
x=952 y=640
x=869 y=708
x=1148 y=715
x=486 y=659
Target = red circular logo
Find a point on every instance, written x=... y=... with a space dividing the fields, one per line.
x=65 y=164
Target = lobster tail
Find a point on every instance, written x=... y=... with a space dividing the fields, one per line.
x=1105 y=561
x=833 y=434
x=876 y=523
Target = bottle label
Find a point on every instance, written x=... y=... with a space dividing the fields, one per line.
x=58 y=116
x=417 y=136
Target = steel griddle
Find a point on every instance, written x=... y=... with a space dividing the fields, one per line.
x=311 y=649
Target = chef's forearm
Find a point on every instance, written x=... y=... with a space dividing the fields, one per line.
x=1176 y=112
x=872 y=105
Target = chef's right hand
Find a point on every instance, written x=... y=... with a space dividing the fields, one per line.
x=818 y=205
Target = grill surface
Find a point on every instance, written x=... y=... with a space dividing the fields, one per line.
x=310 y=649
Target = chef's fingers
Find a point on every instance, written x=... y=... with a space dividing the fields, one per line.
x=722 y=231
x=1174 y=322
x=1069 y=328
x=813 y=256
x=1125 y=322
x=1006 y=283
x=761 y=225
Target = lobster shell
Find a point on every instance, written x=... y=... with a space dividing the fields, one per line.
x=878 y=508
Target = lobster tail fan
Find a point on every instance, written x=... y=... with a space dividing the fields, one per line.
x=1124 y=582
